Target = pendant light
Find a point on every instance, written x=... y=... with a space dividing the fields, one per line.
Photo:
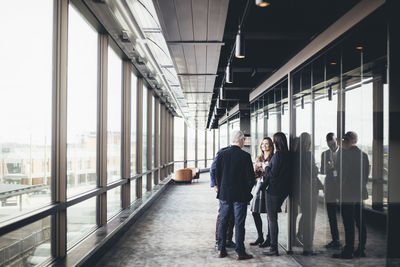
x=239 y=45
x=228 y=74
x=262 y=3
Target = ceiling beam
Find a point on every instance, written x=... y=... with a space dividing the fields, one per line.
x=270 y=36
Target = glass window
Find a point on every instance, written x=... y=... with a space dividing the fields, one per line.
x=179 y=142
x=114 y=109
x=27 y=246
x=25 y=105
x=81 y=220
x=133 y=123
x=200 y=148
x=153 y=129
x=144 y=131
x=133 y=190
x=223 y=135
x=113 y=202
x=191 y=146
x=82 y=105
x=210 y=146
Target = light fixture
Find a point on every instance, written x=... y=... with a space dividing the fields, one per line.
x=359 y=47
x=228 y=74
x=221 y=93
x=262 y=3
x=333 y=63
x=239 y=45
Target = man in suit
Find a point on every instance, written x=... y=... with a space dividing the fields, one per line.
x=355 y=171
x=330 y=160
x=231 y=221
x=235 y=178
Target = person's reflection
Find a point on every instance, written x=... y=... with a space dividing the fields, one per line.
x=309 y=187
x=355 y=170
x=330 y=167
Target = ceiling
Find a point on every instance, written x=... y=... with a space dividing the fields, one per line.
x=273 y=35
x=193 y=31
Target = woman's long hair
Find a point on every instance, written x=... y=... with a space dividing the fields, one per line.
x=305 y=142
x=270 y=152
x=280 y=142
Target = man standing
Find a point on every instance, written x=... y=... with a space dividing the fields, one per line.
x=231 y=221
x=235 y=178
x=355 y=171
x=330 y=167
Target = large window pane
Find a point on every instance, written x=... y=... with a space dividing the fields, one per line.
x=25 y=105
x=223 y=135
x=81 y=220
x=27 y=246
x=153 y=129
x=133 y=123
x=191 y=146
x=113 y=202
x=179 y=125
x=144 y=131
x=114 y=110
x=200 y=148
x=210 y=146
x=82 y=104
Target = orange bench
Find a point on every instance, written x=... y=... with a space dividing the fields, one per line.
x=183 y=175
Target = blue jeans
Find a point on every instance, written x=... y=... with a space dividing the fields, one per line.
x=240 y=212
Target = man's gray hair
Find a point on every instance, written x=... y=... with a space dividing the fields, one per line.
x=236 y=136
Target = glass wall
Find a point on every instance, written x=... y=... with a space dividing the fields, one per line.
x=201 y=149
x=179 y=142
x=25 y=107
x=134 y=82
x=144 y=131
x=339 y=143
x=210 y=147
x=191 y=140
x=114 y=109
x=82 y=104
x=223 y=135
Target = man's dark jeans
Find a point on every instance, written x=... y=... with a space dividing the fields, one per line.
x=240 y=212
x=352 y=213
x=231 y=223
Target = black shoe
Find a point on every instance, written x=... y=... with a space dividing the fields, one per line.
x=222 y=253
x=308 y=253
x=265 y=244
x=272 y=252
x=359 y=253
x=333 y=244
x=230 y=244
x=244 y=256
x=343 y=255
x=259 y=241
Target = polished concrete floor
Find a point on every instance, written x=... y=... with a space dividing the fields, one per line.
x=179 y=230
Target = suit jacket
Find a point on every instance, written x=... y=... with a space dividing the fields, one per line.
x=355 y=171
x=234 y=175
x=212 y=169
x=332 y=182
x=279 y=174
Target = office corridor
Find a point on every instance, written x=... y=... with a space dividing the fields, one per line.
x=179 y=230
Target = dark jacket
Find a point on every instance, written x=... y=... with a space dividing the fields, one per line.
x=355 y=171
x=234 y=175
x=212 y=168
x=278 y=173
x=332 y=182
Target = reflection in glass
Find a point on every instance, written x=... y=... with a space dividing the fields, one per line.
x=25 y=106
x=200 y=148
x=113 y=202
x=82 y=105
x=210 y=144
x=27 y=246
x=114 y=100
x=191 y=146
x=223 y=135
x=81 y=220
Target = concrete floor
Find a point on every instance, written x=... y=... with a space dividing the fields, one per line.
x=179 y=230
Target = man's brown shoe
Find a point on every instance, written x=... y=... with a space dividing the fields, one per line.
x=244 y=256
x=222 y=253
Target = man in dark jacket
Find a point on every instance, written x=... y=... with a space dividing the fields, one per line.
x=330 y=163
x=231 y=220
x=235 y=178
x=355 y=171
